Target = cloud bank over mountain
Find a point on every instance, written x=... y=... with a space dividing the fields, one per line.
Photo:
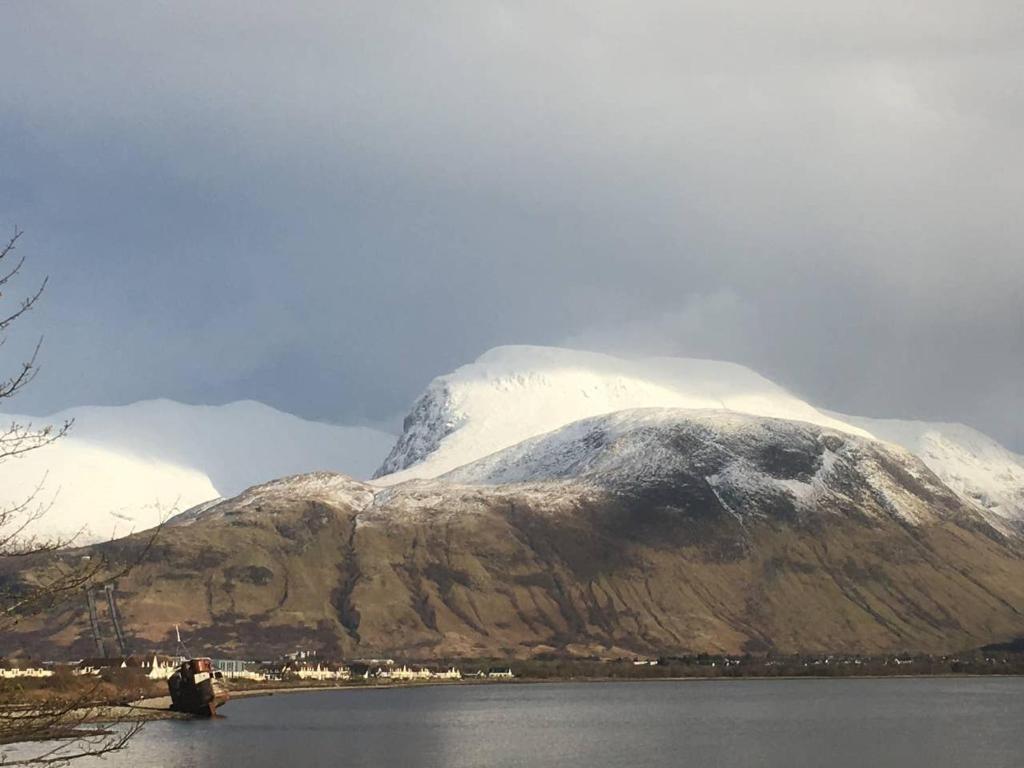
x=323 y=206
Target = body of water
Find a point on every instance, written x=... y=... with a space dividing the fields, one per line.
x=938 y=723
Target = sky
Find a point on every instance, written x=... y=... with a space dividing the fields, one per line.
x=322 y=205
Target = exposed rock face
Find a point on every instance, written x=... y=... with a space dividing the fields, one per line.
x=432 y=419
x=640 y=532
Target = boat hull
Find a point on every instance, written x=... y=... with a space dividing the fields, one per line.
x=196 y=691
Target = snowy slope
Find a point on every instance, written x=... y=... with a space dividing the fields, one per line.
x=513 y=393
x=745 y=465
x=121 y=468
x=974 y=465
x=91 y=492
x=329 y=487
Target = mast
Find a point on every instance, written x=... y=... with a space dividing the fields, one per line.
x=182 y=649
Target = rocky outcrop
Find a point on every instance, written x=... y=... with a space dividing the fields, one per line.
x=430 y=421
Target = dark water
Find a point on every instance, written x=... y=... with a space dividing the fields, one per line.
x=937 y=723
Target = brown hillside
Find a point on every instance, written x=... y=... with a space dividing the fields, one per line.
x=880 y=558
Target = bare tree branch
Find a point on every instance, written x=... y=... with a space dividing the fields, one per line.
x=47 y=574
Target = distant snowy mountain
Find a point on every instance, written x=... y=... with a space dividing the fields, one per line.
x=123 y=468
x=514 y=393
x=970 y=462
x=511 y=394
x=89 y=491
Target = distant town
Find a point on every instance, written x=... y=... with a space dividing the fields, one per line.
x=298 y=666
x=310 y=667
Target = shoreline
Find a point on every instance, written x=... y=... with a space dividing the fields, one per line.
x=157 y=708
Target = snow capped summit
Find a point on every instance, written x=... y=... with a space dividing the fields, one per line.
x=513 y=393
x=125 y=468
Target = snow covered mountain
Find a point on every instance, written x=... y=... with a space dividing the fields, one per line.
x=511 y=394
x=970 y=462
x=650 y=531
x=718 y=462
x=125 y=468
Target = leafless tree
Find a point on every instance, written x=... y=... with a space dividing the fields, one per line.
x=64 y=714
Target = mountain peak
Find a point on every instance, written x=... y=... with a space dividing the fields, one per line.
x=513 y=393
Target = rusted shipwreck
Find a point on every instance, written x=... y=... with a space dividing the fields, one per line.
x=197 y=688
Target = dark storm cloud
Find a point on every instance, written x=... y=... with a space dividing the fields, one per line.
x=324 y=205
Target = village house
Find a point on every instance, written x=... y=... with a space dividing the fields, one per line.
x=318 y=671
x=408 y=673
x=12 y=669
x=372 y=669
x=500 y=673
x=237 y=669
x=97 y=664
x=450 y=674
x=160 y=667
x=273 y=671
x=155 y=667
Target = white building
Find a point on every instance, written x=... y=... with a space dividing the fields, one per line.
x=238 y=669
x=451 y=674
x=320 y=671
x=160 y=668
x=408 y=673
x=8 y=670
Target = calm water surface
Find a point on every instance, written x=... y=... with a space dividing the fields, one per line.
x=937 y=723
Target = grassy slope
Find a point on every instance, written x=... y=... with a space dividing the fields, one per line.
x=514 y=574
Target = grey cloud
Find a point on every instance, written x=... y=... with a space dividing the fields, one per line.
x=322 y=205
